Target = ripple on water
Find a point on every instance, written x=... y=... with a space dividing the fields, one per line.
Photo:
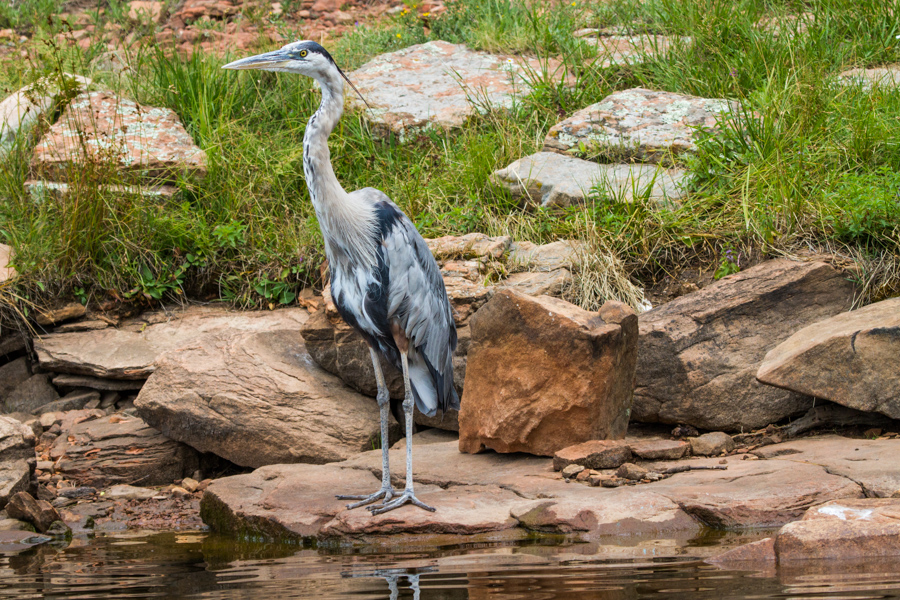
x=198 y=565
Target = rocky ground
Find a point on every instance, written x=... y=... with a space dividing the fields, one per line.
x=253 y=420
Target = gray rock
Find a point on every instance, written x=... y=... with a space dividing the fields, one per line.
x=13 y=374
x=30 y=395
x=887 y=77
x=119 y=449
x=562 y=254
x=128 y=492
x=257 y=399
x=850 y=359
x=10 y=342
x=550 y=179
x=619 y=49
x=129 y=351
x=23 y=109
x=638 y=124
x=72 y=401
x=700 y=353
x=15 y=525
x=438 y=85
x=96 y=383
x=711 y=444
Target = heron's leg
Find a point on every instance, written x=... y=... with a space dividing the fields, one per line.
x=384 y=402
x=407 y=495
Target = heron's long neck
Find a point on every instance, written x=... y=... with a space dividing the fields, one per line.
x=347 y=222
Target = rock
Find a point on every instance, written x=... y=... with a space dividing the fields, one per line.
x=700 y=352
x=631 y=471
x=629 y=49
x=16 y=458
x=190 y=485
x=760 y=551
x=37 y=512
x=870 y=463
x=96 y=383
x=144 y=10
x=78 y=493
x=432 y=85
x=887 y=76
x=150 y=143
x=6 y=271
x=562 y=254
x=571 y=470
x=72 y=401
x=659 y=449
x=711 y=444
x=257 y=398
x=73 y=310
x=15 y=525
x=46 y=191
x=849 y=359
x=638 y=125
x=844 y=530
x=112 y=450
x=81 y=326
x=30 y=395
x=594 y=454
x=10 y=342
x=20 y=111
x=753 y=494
x=554 y=283
x=12 y=375
x=566 y=375
x=127 y=492
x=129 y=351
x=499 y=497
x=471 y=245
x=549 y=179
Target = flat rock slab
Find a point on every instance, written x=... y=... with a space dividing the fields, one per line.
x=439 y=85
x=843 y=530
x=16 y=458
x=700 y=352
x=257 y=398
x=887 y=76
x=506 y=496
x=849 y=359
x=120 y=449
x=550 y=179
x=753 y=494
x=628 y=49
x=149 y=145
x=638 y=124
x=130 y=351
x=873 y=464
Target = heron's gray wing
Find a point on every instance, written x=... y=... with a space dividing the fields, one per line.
x=417 y=299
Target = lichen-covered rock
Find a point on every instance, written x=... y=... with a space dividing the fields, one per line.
x=20 y=111
x=550 y=179
x=638 y=124
x=618 y=49
x=144 y=144
x=440 y=85
x=850 y=359
x=543 y=374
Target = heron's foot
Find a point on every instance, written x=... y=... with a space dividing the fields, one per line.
x=385 y=492
x=407 y=497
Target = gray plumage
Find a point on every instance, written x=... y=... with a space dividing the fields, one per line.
x=384 y=281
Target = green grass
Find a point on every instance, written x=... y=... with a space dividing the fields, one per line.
x=814 y=167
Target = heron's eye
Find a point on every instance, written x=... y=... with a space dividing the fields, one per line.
x=303 y=54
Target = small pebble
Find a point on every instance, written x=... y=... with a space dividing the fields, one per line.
x=572 y=471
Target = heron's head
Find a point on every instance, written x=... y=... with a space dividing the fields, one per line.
x=303 y=57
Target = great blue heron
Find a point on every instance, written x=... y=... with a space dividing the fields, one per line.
x=384 y=281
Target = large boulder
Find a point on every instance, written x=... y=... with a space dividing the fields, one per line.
x=257 y=398
x=700 y=353
x=16 y=458
x=438 y=85
x=850 y=359
x=119 y=449
x=543 y=374
x=130 y=350
x=639 y=124
x=549 y=179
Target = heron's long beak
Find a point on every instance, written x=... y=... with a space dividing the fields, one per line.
x=276 y=58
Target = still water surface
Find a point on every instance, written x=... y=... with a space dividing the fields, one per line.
x=200 y=565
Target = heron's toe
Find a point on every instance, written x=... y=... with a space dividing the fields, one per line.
x=386 y=493
x=407 y=497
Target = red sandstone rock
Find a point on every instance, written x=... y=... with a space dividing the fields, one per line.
x=543 y=374
x=594 y=454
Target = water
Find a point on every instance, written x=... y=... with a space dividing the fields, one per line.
x=201 y=565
